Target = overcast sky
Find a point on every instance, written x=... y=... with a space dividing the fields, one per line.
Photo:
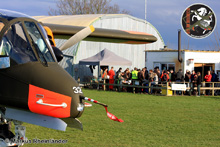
x=165 y=15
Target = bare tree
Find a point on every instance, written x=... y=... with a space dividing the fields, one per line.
x=215 y=41
x=76 y=7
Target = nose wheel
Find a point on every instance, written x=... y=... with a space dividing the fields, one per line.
x=7 y=138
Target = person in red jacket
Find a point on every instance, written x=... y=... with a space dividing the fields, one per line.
x=111 y=74
x=208 y=78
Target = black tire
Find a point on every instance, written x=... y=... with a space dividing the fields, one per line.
x=5 y=133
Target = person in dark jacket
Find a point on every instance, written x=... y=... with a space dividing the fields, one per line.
x=187 y=79
x=192 y=78
x=187 y=76
x=179 y=78
x=198 y=83
x=172 y=75
x=214 y=79
x=140 y=78
x=146 y=73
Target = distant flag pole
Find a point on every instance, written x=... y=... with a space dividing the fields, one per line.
x=146 y=20
x=111 y=116
x=145 y=10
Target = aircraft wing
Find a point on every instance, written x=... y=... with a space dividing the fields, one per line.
x=102 y=35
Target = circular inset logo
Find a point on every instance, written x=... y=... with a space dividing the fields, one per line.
x=198 y=21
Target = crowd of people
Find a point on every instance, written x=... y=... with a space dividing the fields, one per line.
x=143 y=77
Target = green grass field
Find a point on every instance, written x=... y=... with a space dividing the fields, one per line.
x=148 y=121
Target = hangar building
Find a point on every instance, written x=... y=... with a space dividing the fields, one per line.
x=84 y=49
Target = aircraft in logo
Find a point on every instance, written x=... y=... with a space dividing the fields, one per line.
x=203 y=19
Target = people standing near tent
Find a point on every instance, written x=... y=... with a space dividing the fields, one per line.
x=128 y=76
x=105 y=77
x=141 y=78
x=118 y=78
x=118 y=75
x=146 y=73
x=151 y=76
x=134 y=78
x=105 y=73
x=134 y=74
x=111 y=74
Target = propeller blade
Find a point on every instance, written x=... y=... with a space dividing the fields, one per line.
x=77 y=37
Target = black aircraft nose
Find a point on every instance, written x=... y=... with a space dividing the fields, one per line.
x=56 y=79
x=52 y=79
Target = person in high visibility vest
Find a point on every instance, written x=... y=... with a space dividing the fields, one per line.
x=134 y=77
x=134 y=74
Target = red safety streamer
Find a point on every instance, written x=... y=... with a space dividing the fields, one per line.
x=112 y=117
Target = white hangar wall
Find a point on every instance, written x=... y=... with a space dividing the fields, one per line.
x=134 y=53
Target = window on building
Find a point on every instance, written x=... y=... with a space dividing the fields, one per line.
x=165 y=66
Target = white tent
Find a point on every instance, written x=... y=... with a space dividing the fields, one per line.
x=105 y=58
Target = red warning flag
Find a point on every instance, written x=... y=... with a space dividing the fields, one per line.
x=112 y=117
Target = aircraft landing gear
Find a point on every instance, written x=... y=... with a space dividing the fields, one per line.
x=7 y=138
x=5 y=135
